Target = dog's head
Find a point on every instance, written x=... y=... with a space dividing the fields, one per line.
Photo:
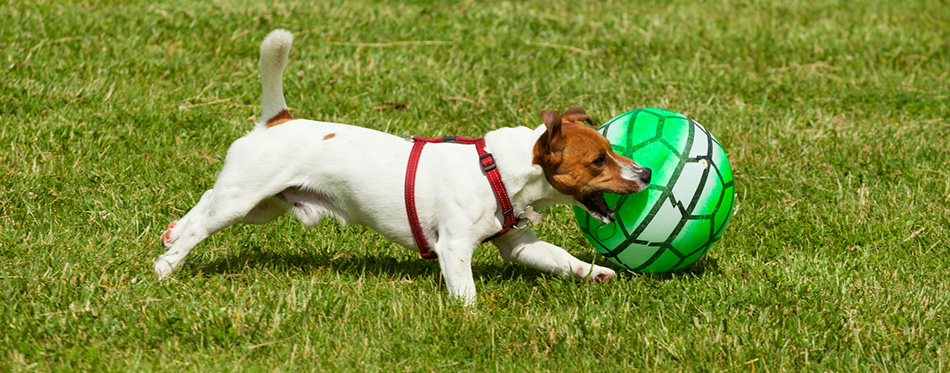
x=578 y=161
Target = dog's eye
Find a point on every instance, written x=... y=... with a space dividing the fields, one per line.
x=600 y=161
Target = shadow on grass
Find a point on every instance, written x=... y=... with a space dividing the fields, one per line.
x=699 y=268
x=347 y=264
x=403 y=266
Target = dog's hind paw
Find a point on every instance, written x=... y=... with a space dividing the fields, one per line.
x=163 y=268
x=167 y=240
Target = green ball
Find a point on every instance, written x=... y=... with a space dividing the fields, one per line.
x=687 y=206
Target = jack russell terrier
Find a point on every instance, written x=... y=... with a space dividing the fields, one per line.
x=462 y=195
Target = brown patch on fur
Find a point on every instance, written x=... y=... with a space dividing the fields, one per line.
x=281 y=117
x=330 y=136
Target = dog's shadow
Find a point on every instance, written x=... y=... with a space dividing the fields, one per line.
x=309 y=263
x=356 y=264
x=397 y=265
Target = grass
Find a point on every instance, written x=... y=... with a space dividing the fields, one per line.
x=114 y=118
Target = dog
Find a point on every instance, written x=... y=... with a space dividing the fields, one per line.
x=356 y=175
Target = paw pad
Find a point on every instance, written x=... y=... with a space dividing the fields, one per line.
x=603 y=277
x=166 y=236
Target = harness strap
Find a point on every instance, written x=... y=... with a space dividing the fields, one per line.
x=494 y=178
x=487 y=163
x=410 y=194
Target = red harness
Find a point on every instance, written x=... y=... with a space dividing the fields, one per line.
x=491 y=172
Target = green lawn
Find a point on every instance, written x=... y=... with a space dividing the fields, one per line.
x=115 y=116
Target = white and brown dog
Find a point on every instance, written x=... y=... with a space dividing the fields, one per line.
x=356 y=175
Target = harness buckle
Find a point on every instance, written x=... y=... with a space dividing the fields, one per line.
x=491 y=162
x=409 y=138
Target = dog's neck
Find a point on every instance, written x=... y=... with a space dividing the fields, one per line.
x=513 y=150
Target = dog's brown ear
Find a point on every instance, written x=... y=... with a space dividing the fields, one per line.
x=551 y=120
x=547 y=149
x=577 y=115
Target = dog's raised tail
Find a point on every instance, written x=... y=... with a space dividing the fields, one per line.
x=275 y=51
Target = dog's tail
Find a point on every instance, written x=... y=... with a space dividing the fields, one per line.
x=274 y=54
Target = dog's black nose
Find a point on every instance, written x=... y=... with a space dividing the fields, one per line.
x=646 y=175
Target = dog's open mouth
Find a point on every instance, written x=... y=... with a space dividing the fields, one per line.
x=596 y=206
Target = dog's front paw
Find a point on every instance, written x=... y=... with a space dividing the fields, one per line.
x=600 y=274
x=166 y=239
x=594 y=273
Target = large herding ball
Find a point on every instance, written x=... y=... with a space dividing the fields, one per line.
x=687 y=206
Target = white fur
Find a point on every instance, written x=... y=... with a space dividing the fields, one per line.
x=317 y=169
x=275 y=52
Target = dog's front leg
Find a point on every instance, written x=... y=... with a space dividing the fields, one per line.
x=455 y=260
x=522 y=246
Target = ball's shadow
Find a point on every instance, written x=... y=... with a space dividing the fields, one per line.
x=699 y=268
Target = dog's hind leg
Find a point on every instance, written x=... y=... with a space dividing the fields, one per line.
x=245 y=191
x=216 y=210
x=266 y=211
x=212 y=213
